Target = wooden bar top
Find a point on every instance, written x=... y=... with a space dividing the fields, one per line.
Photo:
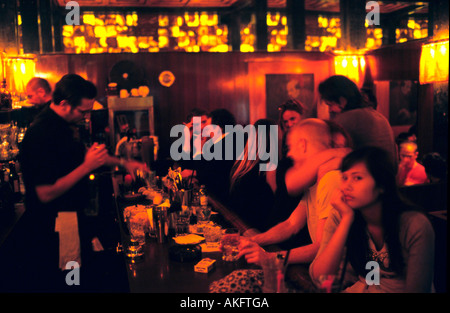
x=156 y=272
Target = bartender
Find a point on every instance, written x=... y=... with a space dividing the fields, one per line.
x=39 y=96
x=55 y=167
x=39 y=93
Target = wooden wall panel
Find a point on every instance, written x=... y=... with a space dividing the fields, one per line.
x=52 y=67
x=203 y=80
x=399 y=62
x=218 y=80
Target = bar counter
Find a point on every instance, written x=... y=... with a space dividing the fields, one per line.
x=157 y=272
x=111 y=270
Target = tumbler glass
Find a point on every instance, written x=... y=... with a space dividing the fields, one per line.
x=182 y=222
x=212 y=234
x=203 y=214
x=230 y=244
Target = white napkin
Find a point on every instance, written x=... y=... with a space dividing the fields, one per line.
x=69 y=239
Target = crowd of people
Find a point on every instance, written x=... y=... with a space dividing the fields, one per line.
x=332 y=201
x=343 y=177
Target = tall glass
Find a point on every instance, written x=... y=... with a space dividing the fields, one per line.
x=138 y=224
x=274 y=271
x=230 y=244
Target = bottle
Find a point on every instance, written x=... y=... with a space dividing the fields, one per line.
x=6 y=199
x=14 y=180
x=5 y=173
x=2 y=176
x=195 y=197
x=5 y=97
x=203 y=196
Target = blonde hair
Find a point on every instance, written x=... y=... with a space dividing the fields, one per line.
x=315 y=130
x=244 y=165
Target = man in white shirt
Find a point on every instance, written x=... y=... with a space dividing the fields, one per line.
x=305 y=140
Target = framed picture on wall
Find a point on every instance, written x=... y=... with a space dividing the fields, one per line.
x=268 y=80
x=282 y=87
x=403 y=95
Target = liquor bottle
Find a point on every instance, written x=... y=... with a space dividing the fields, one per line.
x=2 y=175
x=195 y=197
x=203 y=196
x=5 y=97
x=14 y=180
x=5 y=173
x=6 y=195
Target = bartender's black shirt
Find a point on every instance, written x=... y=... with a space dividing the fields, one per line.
x=48 y=152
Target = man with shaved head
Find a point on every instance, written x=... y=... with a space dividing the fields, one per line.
x=39 y=92
x=305 y=140
x=410 y=172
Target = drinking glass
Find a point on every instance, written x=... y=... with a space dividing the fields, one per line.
x=274 y=272
x=182 y=220
x=138 y=224
x=329 y=284
x=230 y=244
x=204 y=214
x=212 y=234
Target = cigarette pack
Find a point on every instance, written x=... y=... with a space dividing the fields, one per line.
x=205 y=265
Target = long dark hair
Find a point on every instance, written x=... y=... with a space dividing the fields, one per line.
x=382 y=170
x=337 y=86
x=289 y=105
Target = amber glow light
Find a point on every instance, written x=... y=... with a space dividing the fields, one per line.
x=434 y=62
x=352 y=66
x=327 y=35
x=122 y=32
x=18 y=72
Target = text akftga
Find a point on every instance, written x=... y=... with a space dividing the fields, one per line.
x=232 y=132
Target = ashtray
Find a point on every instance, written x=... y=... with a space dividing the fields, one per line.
x=185 y=253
